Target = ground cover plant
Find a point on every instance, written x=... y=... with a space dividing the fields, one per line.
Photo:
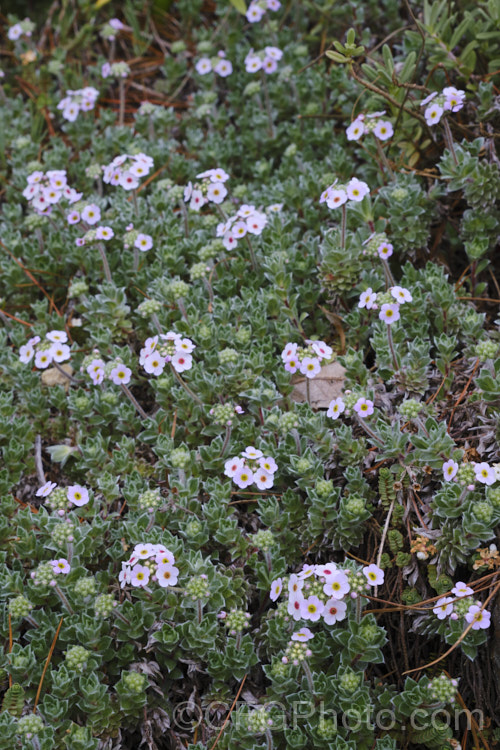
x=250 y=478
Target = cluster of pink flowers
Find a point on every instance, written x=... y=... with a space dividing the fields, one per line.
x=307 y=602
x=76 y=101
x=251 y=468
x=166 y=348
x=266 y=60
x=247 y=220
x=484 y=473
x=389 y=311
x=149 y=562
x=454 y=607
x=76 y=494
x=53 y=349
x=449 y=100
x=127 y=169
x=307 y=359
x=211 y=189
x=257 y=9
x=363 y=408
x=339 y=193
x=98 y=370
x=218 y=64
x=381 y=129
x=45 y=189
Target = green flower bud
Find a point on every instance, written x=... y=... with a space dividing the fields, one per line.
x=76 y=658
x=29 y=724
x=20 y=606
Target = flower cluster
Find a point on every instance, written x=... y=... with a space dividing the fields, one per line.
x=361 y=405
x=339 y=193
x=266 y=60
x=218 y=64
x=222 y=414
x=74 y=101
x=247 y=220
x=252 y=467
x=462 y=605
x=23 y=28
x=381 y=129
x=257 y=9
x=319 y=591
x=307 y=359
x=45 y=572
x=483 y=472
x=98 y=370
x=389 y=309
x=45 y=189
x=64 y=497
x=378 y=244
x=115 y=70
x=166 y=348
x=210 y=189
x=127 y=169
x=110 y=29
x=53 y=349
x=449 y=100
x=149 y=562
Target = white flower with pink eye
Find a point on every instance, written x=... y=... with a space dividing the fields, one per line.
x=373 y=574
x=263 y=479
x=91 y=214
x=289 y=352
x=140 y=575
x=77 y=495
x=310 y=367
x=294 y=607
x=256 y=222
x=229 y=241
x=433 y=114
x=337 y=585
x=197 y=200
x=26 y=353
x=268 y=464
x=216 y=192
x=321 y=349
x=363 y=407
x=444 y=607
x=461 y=589
x=60 y=566
x=334 y=611
x=384 y=250
x=295 y=584
x=232 y=466
x=389 y=313
x=59 y=337
x=46 y=489
x=303 y=635
x=450 y=469
x=325 y=571
x=120 y=375
x=60 y=352
x=335 y=197
x=43 y=359
x=312 y=608
x=125 y=576
x=243 y=477
x=335 y=408
x=355 y=130
x=167 y=575
x=367 y=299
x=181 y=361
x=223 y=68
x=356 y=189
x=143 y=242
x=383 y=130
x=154 y=364
x=276 y=589
x=401 y=295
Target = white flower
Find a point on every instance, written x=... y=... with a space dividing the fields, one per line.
x=355 y=130
x=367 y=299
x=433 y=114
x=203 y=66
x=356 y=189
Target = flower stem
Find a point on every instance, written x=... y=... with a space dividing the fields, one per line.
x=105 y=263
x=62 y=597
x=308 y=674
x=136 y=259
x=121 y=89
x=359 y=604
x=31 y=621
x=449 y=139
x=185 y=386
x=226 y=440
x=185 y=218
x=238 y=641
x=391 y=347
x=252 y=253
x=384 y=159
x=308 y=391
x=63 y=372
x=343 y=226
x=156 y=322
x=133 y=399
x=150 y=522
x=122 y=617
x=389 y=279
x=268 y=107
x=269 y=740
x=199 y=610
x=369 y=430
x=296 y=437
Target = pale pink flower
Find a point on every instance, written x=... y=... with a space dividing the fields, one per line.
x=256 y=222
x=43 y=358
x=46 y=489
x=104 y=233
x=367 y=299
x=229 y=241
x=216 y=192
x=433 y=114
x=302 y=635
x=26 y=353
x=181 y=361
x=223 y=68
x=254 y=13
x=383 y=130
x=453 y=98
x=120 y=375
x=444 y=607
x=60 y=352
x=461 y=589
x=294 y=607
x=269 y=65
x=385 y=250
x=479 y=619
x=335 y=198
x=401 y=295
x=243 y=477
x=269 y=464
x=450 y=469
x=389 y=313
x=484 y=473
x=355 y=130
x=373 y=574
x=197 y=200
x=263 y=479
x=167 y=574
x=335 y=408
x=73 y=217
x=60 y=566
x=289 y=352
x=363 y=407
x=312 y=608
x=154 y=364
x=77 y=495
x=321 y=349
x=140 y=575
x=143 y=242
x=59 y=337
x=292 y=365
x=356 y=189
x=295 y=584
x=310 y=367
x=91 y=214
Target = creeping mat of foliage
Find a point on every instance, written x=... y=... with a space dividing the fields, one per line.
x=250 y=375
